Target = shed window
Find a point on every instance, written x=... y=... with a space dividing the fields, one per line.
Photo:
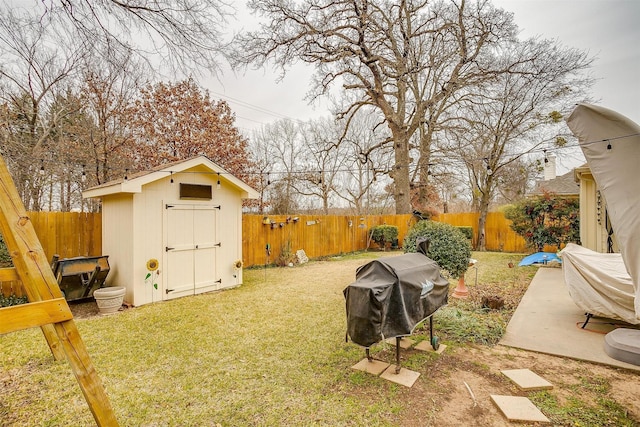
x=195 y=191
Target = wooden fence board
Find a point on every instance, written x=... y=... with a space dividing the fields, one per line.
x=12 y=287
x=69 y=234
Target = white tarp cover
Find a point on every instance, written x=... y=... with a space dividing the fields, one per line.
x=611 y=145
x=599 y=283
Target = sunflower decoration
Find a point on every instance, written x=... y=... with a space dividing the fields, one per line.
x=238 y=264
x=152 y=266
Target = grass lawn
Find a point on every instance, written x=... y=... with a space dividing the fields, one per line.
x=271 y=352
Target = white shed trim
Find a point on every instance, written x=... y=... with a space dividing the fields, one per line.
x=134 y=183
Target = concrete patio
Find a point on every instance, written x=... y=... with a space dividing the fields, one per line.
x=548 y=321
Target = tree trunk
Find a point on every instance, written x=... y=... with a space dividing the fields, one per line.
x=481 y=244
x=424 y=165
x=400 y=173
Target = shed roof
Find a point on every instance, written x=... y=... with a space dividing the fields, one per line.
x=563 y=185
x=134 y=182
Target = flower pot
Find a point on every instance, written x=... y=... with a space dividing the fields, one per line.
x=109 y=299
x=461 y=290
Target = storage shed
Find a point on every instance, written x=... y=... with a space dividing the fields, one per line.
x=186 y=215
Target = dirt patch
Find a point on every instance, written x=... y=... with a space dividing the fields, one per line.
x=86 y=309
x=455 y=390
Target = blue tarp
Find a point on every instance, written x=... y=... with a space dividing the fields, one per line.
x=539 y=258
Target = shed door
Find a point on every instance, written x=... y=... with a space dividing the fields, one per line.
x=192 y=243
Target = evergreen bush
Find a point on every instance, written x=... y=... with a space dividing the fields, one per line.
x=12 y=300
x=546 y=220
x=448 y=245
x=5 y=258
x=466 y=230
x=383 y=234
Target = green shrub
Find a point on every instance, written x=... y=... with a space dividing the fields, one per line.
x=545 y=220
x=383 y=234
x=466 y=230
x=5 y=258
x=448 y=246
x=12 y=300
x=287 y=256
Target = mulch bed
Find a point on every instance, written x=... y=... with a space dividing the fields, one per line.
x=87 y=308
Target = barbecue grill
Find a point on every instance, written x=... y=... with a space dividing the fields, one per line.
x=391 y=296
x=78 y=277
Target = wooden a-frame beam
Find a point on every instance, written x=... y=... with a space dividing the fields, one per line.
x=35 y=314
x=40 y=285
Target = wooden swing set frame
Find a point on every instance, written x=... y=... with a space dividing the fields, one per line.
x=47 y=307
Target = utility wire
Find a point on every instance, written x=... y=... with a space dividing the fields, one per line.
x=253 y=106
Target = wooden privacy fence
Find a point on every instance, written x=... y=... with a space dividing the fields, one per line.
x=70 y=234
x=335 y=234
x=316 y=235
x=498 y=233
x=9 y=287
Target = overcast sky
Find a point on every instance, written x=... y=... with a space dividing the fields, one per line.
x=608 y=29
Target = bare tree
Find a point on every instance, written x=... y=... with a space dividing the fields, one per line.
x=279 y=147
x=515 y=180
x=34 y=69
x=403 y=58
x=68 y=148
x=259 y=147
x=306 y=166
x=187 y=34
x=109 y=91
x=322 y=165
x=515 y=115
x=364 y=175
x=449 y=187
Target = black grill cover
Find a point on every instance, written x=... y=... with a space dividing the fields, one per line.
x=391 y=296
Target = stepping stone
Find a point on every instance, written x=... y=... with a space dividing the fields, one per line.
x=375 y=367
x=405 y=377
x=527 y=380
x=404 y=342
x=517 y=408
x=426 y=346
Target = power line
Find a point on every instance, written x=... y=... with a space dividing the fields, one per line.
x=253 y=107
x=578 y=144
